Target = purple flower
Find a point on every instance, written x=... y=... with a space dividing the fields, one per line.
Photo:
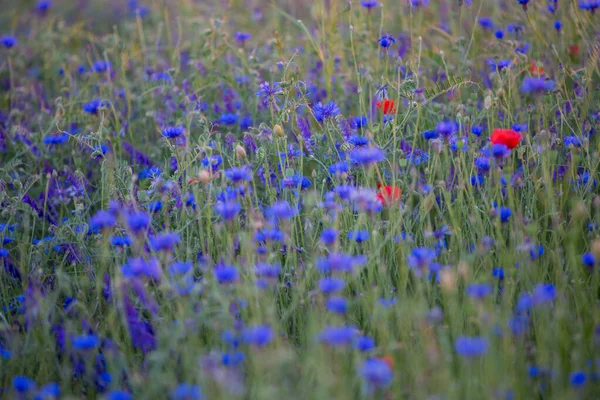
x=239 y=174
x=138 y=267
x=368 y=4
x=226 y=274
x=8 y=41
x=367 y=155
x=543 y=293
x=138 y=221
x=228 y=209
x=331 y=285
x=376 y=373
x=470 y=347
x=164 y=242
x=338 y=336
x=337 y=304
x=479 y=290
x=531 y=85
x=420 y=259
x=386 y=41
x=323 y=112
x=259 y=335
x=173 y=132
x=339 y=262
x=103 y=220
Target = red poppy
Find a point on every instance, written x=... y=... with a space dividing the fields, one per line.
x=573 y=49
x=507 y=137
x=535 y=70
x=388 y=194
x=387 y=106
x=389 y=360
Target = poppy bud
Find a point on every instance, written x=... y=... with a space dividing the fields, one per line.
x=240 y=151
x=204 y=176
x=278 y=130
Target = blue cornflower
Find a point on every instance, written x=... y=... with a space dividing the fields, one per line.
x=235 y=174
x=386 y=41
x=524 y=303
x=103 y=220
x=93 y=106
x=498 y=273
x=536 y=251
x=376 y=373
x=429 y=135
x=337 y=304
x=259 y=335
x=420 y=259
x=338 y=168
x=446 y=128
x=48 y=391
x=499 y=34
x=338 y=335
x=329 y=236
x=500 y=151
x=558 y=25
x=235 y=358
x=470 y=347
x=486 y=22
x=498 y=65
x=588 y=259
x=331 y=285
x=368 y=4
x=364 y=343
x=242 y=36
x=482 y=164
x=228 y=119
x=358 y=141
x=269 y=235
x=138 y=267
x=543 y=293
x=531 y=85
x=572 y=140
x=479 y=290
x=120 y=241
x=323 y=112
x=8 y=41
x=186 y=391
x=85 y=342
x=150 y=173
x=180 y=268
x=367 y=155
x=56 y=139
x=226 y=273
x=119 y=395
x=213 y=162
x=228 y=209
x=246 y=122
x=359 y=236
x=578 y=379
x=44 y=5
x=138 y=221
x=360 y=121
x=101 y=66
x=590 y=5
x=524 y=3
x=3 y=253
x=339 y=262
x=172 y=132
x=504 y=212
x=268 y=92
x=477 y=130
x=282 y=210
x=23 y=384
x=165 y=241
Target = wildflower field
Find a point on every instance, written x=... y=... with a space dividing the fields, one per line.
x=286 y=199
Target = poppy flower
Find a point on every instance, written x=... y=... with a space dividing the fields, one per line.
x=389 y=360
x=388 y=194
x=507 y=137
x=535 y=70
x=387 y=106
x=573 y=50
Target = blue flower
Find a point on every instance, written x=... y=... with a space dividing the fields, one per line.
x=323 y=112
x=85 y=342
x=228 y=119
x=578 y=379
x=420 y=259
x=360 y=121
x=367 y=155
x=44 y=5
x=228 y=209
x=268 y=93
x=477 y=130
x=138 y=268
x=120 y=241
x=8 y=41
x=531 y=85
x=212 y=162
x=428 y=135
x=479 y=290
x=446 y=128
x=368 y=4
x=239 y=174
x=101 y=66
x=329 y=236
x=172 y=132
x=358 y=141
x=138 y=221
x=386 y=41
x=376 y=373
x=558 y=25
x=572 y=140
x=186 y=391
x=498 y=273
x=588 y=259
x=337 y=336
x=119 y=395
x=93 y=106
x=499 y=34
x=339 y=262
x=543 y=293
x=165 y=241
x=23 y=384
x=337 y=304
x=48 y=391
x=150 y=173
x=281 y=210
x=359 y=236
x=242 y=36
x=364 y=343
x=338 y=168
x=103 y=220
x=486 y=22
x=180 y=268
x=331 y=285
x=226 y=273
x=56 y=139
x=259 y=335
x=470 y=347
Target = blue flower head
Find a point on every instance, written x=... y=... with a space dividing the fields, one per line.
x=470 y=347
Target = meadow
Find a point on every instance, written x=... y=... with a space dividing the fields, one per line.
x=285 y=199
